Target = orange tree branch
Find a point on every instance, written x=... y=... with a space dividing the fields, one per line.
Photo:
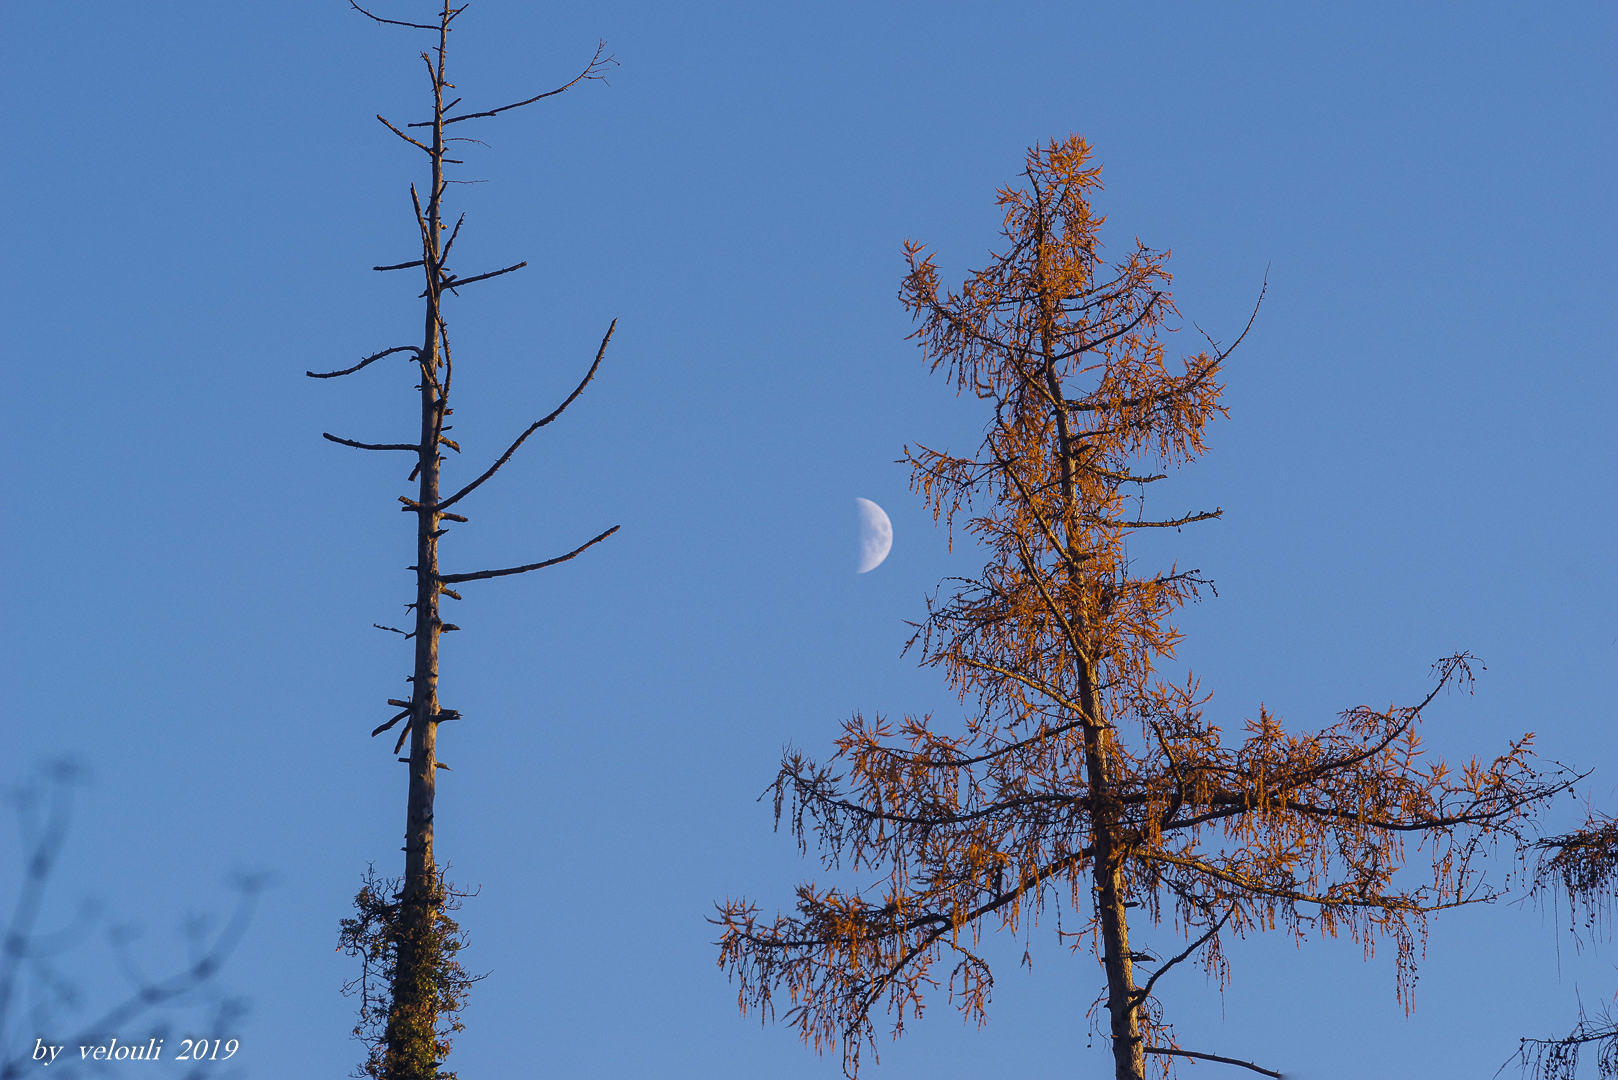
x=1089 y=346
x=1418 y=824
x=931 y=820
x=1399 y=902
x=1036 y=685
x=1000 y=751
x=1174 y=523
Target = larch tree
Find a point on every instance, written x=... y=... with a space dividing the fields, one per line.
x=1085 y=782
x=412 y=987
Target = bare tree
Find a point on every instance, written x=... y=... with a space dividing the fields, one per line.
x=1085 y=781
x=407 y=934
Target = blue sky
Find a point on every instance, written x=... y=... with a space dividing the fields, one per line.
x=1419 y=459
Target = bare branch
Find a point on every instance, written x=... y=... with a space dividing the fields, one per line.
x=389 y=22
x=455 y=282
x=1222 y=353
x=399 y=266
x=363 y=363
x=370 y=446
x=401 y=134
x=1170 y=1052
x=1125 y=477
x=535 y=426
x=999 y=751
x=1174 y=523
x=1146 y=991
x=421 y=221
x=450 y=579
x=390 y=723
x=443 y=256
x=591 y=71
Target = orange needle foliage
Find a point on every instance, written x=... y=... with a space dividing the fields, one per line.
x=1084 y=782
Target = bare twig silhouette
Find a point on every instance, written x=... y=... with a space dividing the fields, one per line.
x=39 y=997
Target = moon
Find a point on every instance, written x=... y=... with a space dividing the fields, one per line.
x=876 y=535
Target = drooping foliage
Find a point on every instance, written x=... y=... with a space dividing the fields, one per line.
x=1084 y=784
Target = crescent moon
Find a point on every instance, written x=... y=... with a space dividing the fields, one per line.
x=876 y=535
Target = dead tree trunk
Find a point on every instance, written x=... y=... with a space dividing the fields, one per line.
x=409 y=944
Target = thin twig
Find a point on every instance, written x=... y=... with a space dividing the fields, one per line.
x=389 y=22
x=443 y=256
x=363 y=363
x=1174 y=523
x=1144 y=992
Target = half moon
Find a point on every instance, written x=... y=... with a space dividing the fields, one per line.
x=876 y=535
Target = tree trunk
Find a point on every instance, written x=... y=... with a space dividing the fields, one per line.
x=1129 y=1059
x=412 y=1024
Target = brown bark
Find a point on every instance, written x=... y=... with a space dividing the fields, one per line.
x=1129 y=1062
x=420 y=898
